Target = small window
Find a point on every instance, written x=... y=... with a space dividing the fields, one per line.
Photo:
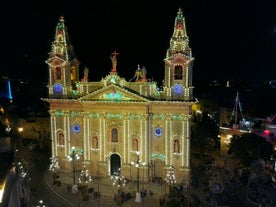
x=178 y=72
x=58 y=73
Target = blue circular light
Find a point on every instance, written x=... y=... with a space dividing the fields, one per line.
x=58 y=87
x=158 y=131
x=178 y=89
x=76 y=128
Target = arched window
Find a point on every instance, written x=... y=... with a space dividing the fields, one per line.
x=176 y=146
x=114 y=135
x=178 y=72
x=58 y=73
x=60 y=138
x=134 y=146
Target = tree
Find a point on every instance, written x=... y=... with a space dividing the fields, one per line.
x=204 y=133
x=250 y=147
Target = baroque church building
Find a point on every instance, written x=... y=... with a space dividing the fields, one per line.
x=114 y=125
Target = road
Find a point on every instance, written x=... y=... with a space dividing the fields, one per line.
x=38 y=164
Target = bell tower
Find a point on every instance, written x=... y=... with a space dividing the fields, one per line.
x=179 y=63
x=63 y=64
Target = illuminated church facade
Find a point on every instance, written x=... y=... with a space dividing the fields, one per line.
x=112 y=123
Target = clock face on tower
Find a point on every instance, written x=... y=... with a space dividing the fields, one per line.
x=178 y=89
x=57 y=88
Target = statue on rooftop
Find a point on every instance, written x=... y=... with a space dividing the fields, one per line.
x=113 y=58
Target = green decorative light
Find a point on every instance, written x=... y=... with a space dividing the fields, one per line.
x=75 y=92
x=135 y=116
x=73 y=113
x=77 y=151
x=60 y=26
x=110 y=115
x=159 y=116
x=114 y=95
x=113 y=80
x=177 y=117
x=59 y=113
x=158 y=156
x=93 y=115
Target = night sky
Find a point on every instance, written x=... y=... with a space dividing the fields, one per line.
x=230 y=40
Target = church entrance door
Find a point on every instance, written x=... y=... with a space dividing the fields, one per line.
x=115 y=164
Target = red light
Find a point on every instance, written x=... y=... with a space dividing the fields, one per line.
x=267 y=132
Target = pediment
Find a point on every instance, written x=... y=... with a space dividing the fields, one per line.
x=55 y=61
x=179 y=58
x=113 y=93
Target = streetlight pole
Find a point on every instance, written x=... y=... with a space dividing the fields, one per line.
x=143 y=177
x=170 y=178
x=72 y=157
x=84 y=179
x=137 y=164
x=119 y=180
x=20 y=131
x=54 y=166
x=144 y=164
x=40 y=204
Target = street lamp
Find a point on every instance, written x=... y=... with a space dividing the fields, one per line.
x=54 y=166
x=20 y=131
x=118 y=179
x=137 y=165
x=40 y=204
x=84 y=179
x=24 y=182
x=170 y=177
x=84 y=176
x=72 y=157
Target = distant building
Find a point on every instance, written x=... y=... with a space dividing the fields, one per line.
x=109 y=121
x=5 y=90
x=269 y=133
x=5 y=99
x=271 y=125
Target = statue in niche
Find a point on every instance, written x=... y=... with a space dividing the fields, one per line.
x=134 y=145
x=176 y=146
x=60 y=138
x=95 y=142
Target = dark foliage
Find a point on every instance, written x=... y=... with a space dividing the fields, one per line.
x=250 y=147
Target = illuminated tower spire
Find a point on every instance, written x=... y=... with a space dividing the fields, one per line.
x=61 y=46
x=63 y=63
x=179 y=63
x=179 y=42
